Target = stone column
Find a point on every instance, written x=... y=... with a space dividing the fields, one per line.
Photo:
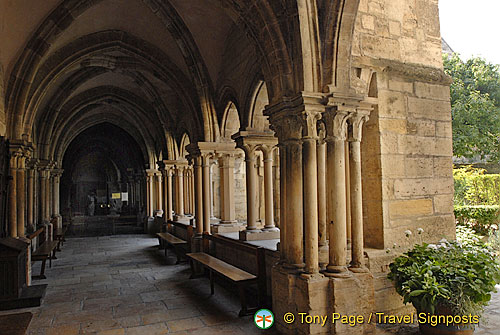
x=336 y=128
x=287 y=120
x=212 y=197
x=206 y=192
x=160 y=190
x=55 y=196
x=226 y=165
x=179 y=174
x=191 y=190
x=283 y=208
x=347 y=193
x=168 y=192
x=43 y=192
x=47 y=195
x=357 y=121
x=309 y=143
x=295 y=232
x=187 y=210
x=30 y=198
x=323 y=243
x=268 y=187
x=21 y=195
x=13 y=194
x=149 y=198
x=251 y=182
x=198 y=192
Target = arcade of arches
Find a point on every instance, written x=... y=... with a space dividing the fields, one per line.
x=322 y=124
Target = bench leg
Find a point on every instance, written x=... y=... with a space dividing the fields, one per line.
x=178 y=254
x=211 y=282
x=42 y=270
x=244 y=310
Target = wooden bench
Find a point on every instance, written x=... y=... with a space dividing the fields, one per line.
x=59 y=235
x=239 y=277
x=180 y=245
x=46 y=249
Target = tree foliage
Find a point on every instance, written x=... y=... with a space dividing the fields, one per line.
x=475 y=104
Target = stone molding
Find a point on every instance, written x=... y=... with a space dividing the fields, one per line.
x=408 y=71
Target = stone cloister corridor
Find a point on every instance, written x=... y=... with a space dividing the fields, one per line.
x=287 y=144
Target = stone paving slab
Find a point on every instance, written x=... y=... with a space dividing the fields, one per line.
x=122 y=285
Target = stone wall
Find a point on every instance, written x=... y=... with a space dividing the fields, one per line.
x=407 y=144
x=406 y=31
x=408 y=147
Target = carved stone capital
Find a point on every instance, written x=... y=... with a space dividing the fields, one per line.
x=336 y=125
x=356 y=122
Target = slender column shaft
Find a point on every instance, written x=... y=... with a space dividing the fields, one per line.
x=211 y=193
x=310 y=205
x=337 y=206
x=43 y=193
x=347 y=192
x=180 y=191
x=30 y=202
x=198 y=181
x=160 y=188
x=13 y=199
x=54 y=197
x=356 y=206
x=321 y=157
x=228 y=212
x=251 y=180
x=21 y=199
x=283 y=203
x=47 y=197
x=150 y=195
x=295 y=228
x=268 y=190
x=206 y=193
x=191 y=189
x=222 y=187
x=169 y=195
x=185 y=190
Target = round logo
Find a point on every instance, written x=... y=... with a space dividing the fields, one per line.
x=263 y=319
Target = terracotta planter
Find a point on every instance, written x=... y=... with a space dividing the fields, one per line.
x=443 y=329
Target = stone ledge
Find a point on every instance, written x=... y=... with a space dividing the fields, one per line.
x=248 y=235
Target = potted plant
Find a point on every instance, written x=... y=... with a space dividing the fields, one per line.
x=449 y=283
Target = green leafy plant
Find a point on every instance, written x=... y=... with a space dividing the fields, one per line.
x=482 y=219
x=457 y=276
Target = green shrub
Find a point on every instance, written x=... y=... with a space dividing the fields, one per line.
x=474 y=187
x=482 y=219
x=458 y=276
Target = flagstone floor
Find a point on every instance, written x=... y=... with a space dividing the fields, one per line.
x=123 y=285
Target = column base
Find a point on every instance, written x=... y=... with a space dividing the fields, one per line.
x=319 y=295
x=337 y=271
x=273 y=228
x=226 y=227
x=179 y=217
x=257 y=234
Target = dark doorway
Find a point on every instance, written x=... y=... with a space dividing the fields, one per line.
x=103 y=177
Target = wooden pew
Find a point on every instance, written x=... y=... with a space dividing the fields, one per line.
x=180 y=246
x=239 y=277
x=59 y=235
x=46 y=249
